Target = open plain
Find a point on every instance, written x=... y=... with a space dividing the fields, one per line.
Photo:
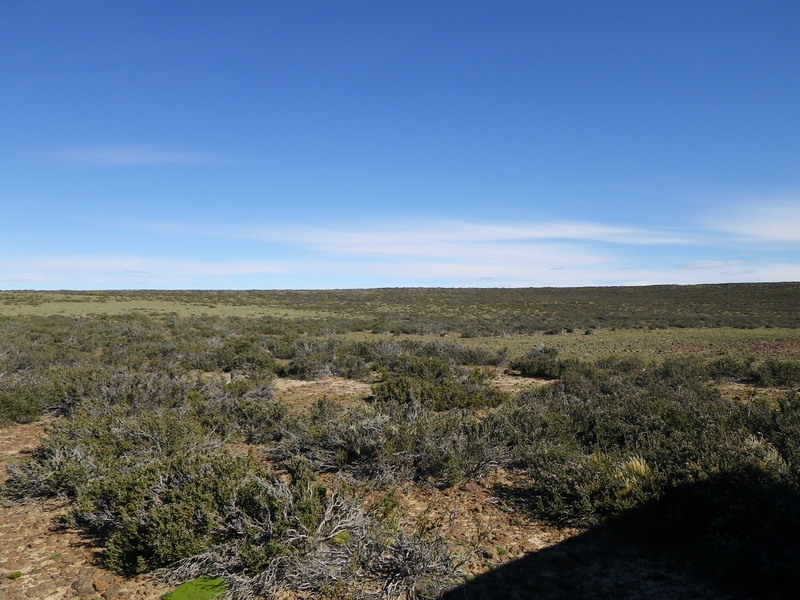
x=401 y=443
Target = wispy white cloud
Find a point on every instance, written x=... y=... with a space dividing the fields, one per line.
x=17 y=278
x=130 y=156
x=439 y=249
x=388 y=237
x=742 y=273
x=469 y=253
x=762 y=220
x=373 y=234
x=482 y=253
x=109 y=272
x=534 y=273
x=116 y=270
x=452 y=253
x=711 y=264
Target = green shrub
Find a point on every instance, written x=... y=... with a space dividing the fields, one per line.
x=246 y=353
x=169 y=511
x=603 y=440
x=150 y=508
x=453 y=352
x=149 y=481
x=26 y=395
x=435 y=383
x=541 y=361
x=729 y=367
x=313 y=358
x=779 y=426
x=775 y=373
x=391 y=441
x=18 y=405
x=765 y=373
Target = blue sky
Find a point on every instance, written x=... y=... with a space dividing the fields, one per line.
x=340 y=144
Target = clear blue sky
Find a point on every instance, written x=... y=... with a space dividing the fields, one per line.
x=295 y=144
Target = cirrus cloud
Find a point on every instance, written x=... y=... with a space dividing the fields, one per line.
x=762 y=220
x=711 y=264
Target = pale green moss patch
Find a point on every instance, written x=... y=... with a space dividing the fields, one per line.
x=202 y=588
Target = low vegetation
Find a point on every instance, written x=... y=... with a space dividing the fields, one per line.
x=179 y=457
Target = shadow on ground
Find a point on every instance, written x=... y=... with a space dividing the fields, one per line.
x=732 y=537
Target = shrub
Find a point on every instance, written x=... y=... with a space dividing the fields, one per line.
x=390 y=441
x=28 y=394
x=313 y=358
x=780 y=426
x=541 y=361
x=453 y=352
x=605 y=439
x=444 y=448
x=435 y=383
x=729 y=367
x=242 y=354
x=348 y=554
x=775 y=373
x=153 y=503
x=18 y=404
x=244 y=408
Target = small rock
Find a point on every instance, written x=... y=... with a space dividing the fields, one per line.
x=471 y=487
x=457 y=531
x=38 y=591
x=100 y=585
x=83 y=588
x=113 y=592
x=491 y=554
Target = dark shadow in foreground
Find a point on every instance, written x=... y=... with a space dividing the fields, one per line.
x=733 y=537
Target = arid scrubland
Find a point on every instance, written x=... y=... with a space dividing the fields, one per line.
x=306 y=444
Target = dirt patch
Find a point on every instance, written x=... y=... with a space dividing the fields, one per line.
x=744 y=392
x=304 y=393
x=514 y=384
x=17 y=441
x=476 y=523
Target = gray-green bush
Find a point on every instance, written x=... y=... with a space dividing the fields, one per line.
x=604 y=439
x=435 y=383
